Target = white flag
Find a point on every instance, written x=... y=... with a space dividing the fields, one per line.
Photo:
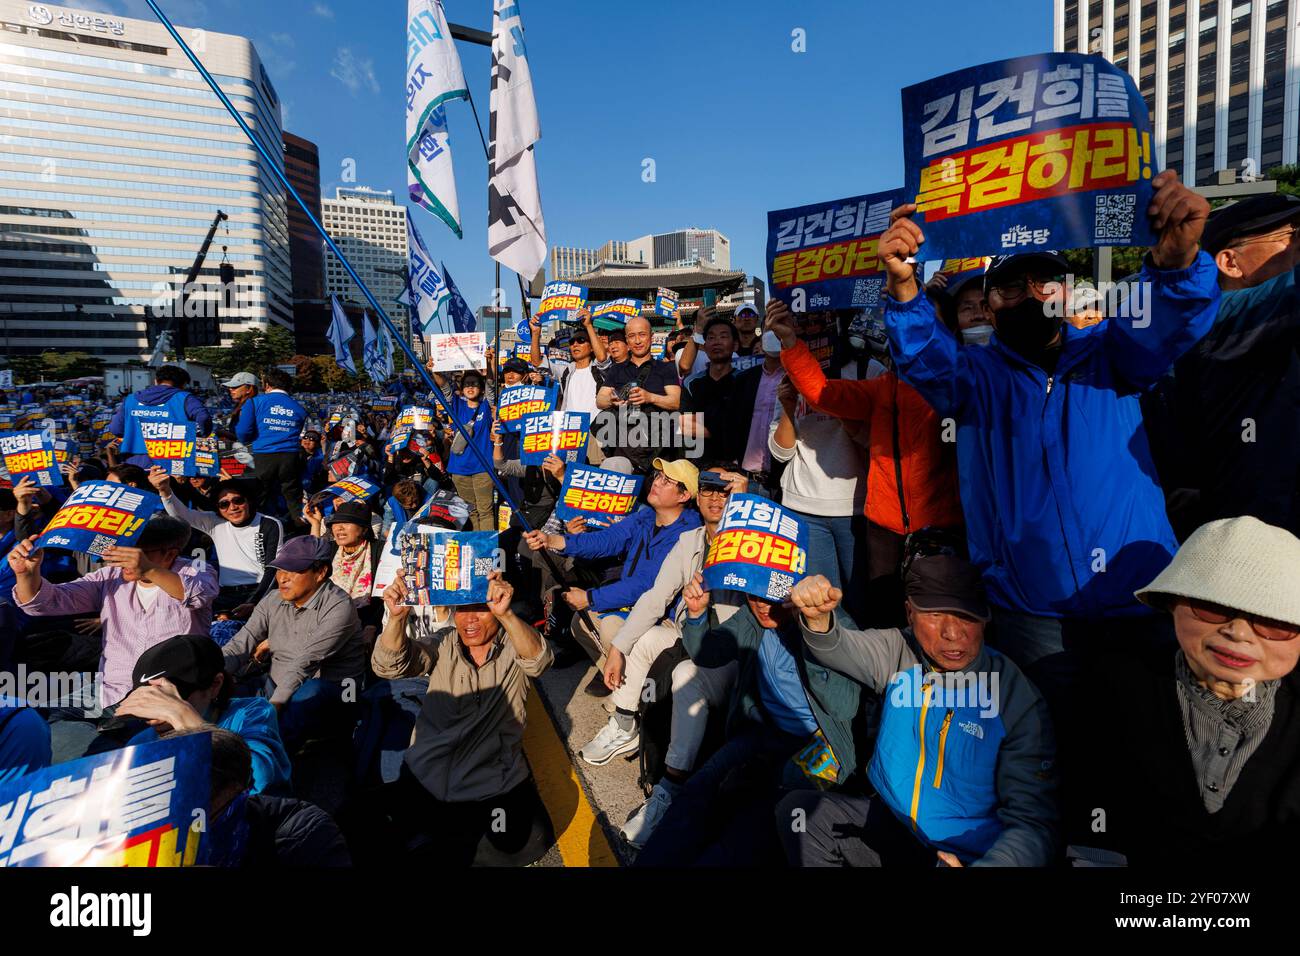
x=433 y=77
x=426 y=290
x=516 y=231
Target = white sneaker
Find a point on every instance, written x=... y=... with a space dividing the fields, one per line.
x=609 y=743
x=641 y=824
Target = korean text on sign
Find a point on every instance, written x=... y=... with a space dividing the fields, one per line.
x=830 y=251
x=601 y=497
x=170 y=445
x=560 y=300
x=448 y=568
x=99 y=515
x=760 y=548
x=563 y=434
x=30 y=454
x=518 y=401
x=1052 y=151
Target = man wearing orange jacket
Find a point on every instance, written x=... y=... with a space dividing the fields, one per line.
x=912 y=474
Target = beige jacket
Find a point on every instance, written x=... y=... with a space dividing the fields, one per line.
x=468 y=742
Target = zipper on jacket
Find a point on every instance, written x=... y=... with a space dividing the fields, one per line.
x=920 y=756
x=1050 y=378
x=943 y=741
x=898 y=465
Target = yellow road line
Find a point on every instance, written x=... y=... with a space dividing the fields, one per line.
x=578 y=834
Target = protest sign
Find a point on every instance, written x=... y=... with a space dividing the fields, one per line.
x=384 y=406
x=553 y=433
x=520 y=400
x=1051 y=151
x=169 y=445
x=99 y=515
x=233 y=466
x=30 y=454
x=348 y=489
x=560 y=300
x=448 y=568
x=743 y=363
x=138 y=806
x=666 y=301
x=458 y=351
x=205 y=462
x=614 y=315
x=760 y=548
x=418 y=418
x=601 y=497
x=7 y=378
x=658 y=344
x=826 y=255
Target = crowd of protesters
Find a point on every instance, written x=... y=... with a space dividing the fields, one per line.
x=1052 y=570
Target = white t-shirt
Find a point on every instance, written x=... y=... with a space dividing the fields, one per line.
x=237 y=552
x=147 y=596
x=580 y=391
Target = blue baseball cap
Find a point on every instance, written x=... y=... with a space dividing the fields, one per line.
x=302 y=553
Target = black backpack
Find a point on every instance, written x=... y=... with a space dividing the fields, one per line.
x=655 y=720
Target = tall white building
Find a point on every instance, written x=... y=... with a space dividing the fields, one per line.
x=1220 y=77
x=114 y=160
x=682 y=248
x=370 y=229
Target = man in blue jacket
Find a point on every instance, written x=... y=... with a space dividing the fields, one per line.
x=1064 y=513
x=642 y=540
x=271 y=426
x=164 y=401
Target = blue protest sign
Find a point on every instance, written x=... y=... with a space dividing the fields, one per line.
x=614 y=315
x=760 y=548
x=138 y=806
x=560 y=300
x=601 y=497
x=826 y=255
x=99 y=515
x=448 y=568
x=1041 y=152
x=520 y=400
x=666 y=301
x=563 y=434
x=30 y=454
x=205 y=462
x=169 y=445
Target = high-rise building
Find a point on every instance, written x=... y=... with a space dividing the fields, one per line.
x=1221 y=78
x=115 y=161
x=306 y=250
x=567 y=262
x=684 y=247
x=370 y=229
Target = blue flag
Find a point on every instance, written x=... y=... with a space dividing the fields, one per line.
x=376 y=357
x=457 y=308
x=340 y=335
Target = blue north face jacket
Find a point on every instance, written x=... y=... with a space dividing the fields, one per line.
x=1064 y=513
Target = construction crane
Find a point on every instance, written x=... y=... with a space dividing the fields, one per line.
x=227 y=274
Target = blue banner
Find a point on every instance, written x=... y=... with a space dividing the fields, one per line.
x=760 y=548
x=30 y=454
x=448 y=568
x=826 y=255
x=350 y=489
x=138 y=806
x=1040 y=152
x=602 y=497
x=563 y=434
x=614 y=315
x=560 y=300
x=206 y=460
x=520 y=400
x=666 y=301
x=169 y=445
x=99 y=515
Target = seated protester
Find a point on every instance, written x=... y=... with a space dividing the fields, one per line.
x=464 y=776
x=973 y=787
x=408 y=494
x=1199 y=766
x=243 y=537
x=143 y=595
x=643 y=540
x=535 y=488
x=408 y=463
x=24 y=739
x=789 y=725
x=653 y=626
x=199 y=492
x=256 y=830
x=309 y=632
x=313 y=463
x=181 y=685
x=356 y=553
x=640 y=394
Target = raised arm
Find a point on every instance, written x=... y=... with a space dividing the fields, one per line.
x=869 y=657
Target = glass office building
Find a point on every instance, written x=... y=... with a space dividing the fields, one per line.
x=1221 y=78
x=115 y=158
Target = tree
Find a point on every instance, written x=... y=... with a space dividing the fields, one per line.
x=329 y=375
x=1125 y=260
x=51 y=366
x=1288 y=179
x=249 y=351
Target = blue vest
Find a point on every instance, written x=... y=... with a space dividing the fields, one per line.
x=135 y=411
x=280 y=421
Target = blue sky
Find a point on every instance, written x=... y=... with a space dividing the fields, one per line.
x=736 y=122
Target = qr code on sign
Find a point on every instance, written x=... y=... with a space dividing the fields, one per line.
x=1114 y=217
x=101 y=543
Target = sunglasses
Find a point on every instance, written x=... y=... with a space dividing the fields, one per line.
x=225 y=503
x=1266 y=628
x=1011 y=288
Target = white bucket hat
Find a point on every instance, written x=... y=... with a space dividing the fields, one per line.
x=1240 y=563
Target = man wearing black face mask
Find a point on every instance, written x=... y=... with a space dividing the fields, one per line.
x=1064 y=514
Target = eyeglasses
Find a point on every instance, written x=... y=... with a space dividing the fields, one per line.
x=225 y=503
x=713 y=492
x=660 y=476
x=1010 y=288
x=1265 y=627
x=1283 y=237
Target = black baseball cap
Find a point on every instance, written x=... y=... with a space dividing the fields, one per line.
x=1016 y=263
x=350 y=512
x=946 y=582
x=190 y=661
x=713 y=480
x=1247 y=217
x=516 y=364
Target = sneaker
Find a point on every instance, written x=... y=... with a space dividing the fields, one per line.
x=641 y=824
x=609 y=743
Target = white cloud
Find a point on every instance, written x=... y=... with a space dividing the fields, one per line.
x=352 y=72
x=321 y=10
